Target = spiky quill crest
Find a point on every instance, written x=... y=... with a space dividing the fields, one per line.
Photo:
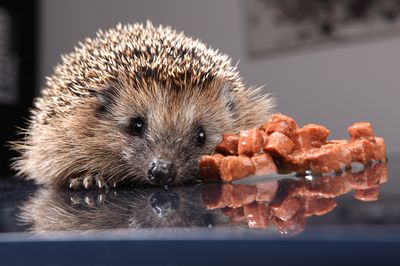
x=64 y=136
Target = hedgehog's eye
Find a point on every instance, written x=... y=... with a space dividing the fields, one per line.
x=200 y=137
x=136 y=127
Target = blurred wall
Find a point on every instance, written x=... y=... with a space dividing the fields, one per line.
x=333 y=86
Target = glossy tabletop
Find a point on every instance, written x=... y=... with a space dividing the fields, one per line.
x=353 y=215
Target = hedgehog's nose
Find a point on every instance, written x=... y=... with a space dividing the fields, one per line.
x=164 y=202
x=162 y=171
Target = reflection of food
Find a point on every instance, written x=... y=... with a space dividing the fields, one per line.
x=134 y=209
x=279 y=142
x=287 y=202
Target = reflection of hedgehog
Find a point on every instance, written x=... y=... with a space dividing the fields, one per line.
x=136 y=104
x=136 y=209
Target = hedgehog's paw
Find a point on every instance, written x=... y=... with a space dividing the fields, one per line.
x=87 y=182
x=91 y=198
x=94 y=198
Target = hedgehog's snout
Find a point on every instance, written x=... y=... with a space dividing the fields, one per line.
x=162 y=171
x=164 y=202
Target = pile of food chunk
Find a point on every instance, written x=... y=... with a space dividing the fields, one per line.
x=286 y=203
x=279 y=144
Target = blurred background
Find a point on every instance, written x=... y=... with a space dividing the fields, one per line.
x=329 y=62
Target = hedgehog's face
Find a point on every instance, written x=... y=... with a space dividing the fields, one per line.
x=163 y=131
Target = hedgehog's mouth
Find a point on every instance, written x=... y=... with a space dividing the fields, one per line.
x=183 y=176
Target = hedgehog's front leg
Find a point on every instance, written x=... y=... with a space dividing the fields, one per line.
x=88 y=181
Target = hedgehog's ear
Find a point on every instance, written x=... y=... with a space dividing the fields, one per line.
x=106 y=98
x=230 y=100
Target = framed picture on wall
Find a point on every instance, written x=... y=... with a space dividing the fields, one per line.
x=275 y=26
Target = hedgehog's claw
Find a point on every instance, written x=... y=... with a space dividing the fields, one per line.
x=100 y=198
x=90 y=200
x=76 y=199
x=94 y=198
x=75 y=183
x=87 y=182
x=100 y=181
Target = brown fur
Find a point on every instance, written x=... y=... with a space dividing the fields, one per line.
x=77 y=129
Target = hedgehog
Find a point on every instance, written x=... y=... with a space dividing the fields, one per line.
x=138 y=104
x=135 y=209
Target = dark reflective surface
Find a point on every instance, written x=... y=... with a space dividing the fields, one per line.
x=134 y=209
x=282 y=207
